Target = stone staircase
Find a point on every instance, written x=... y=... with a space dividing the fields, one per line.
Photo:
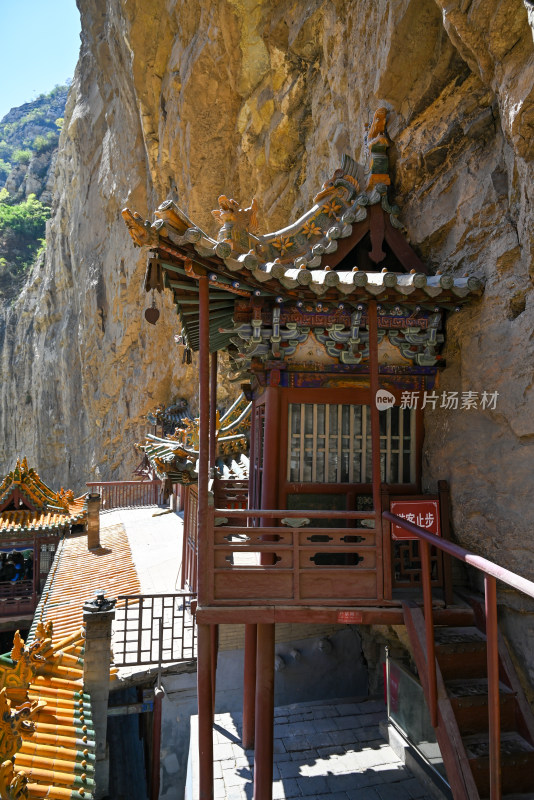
x=462 y=730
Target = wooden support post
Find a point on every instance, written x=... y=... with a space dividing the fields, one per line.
x=494 y=709
x=214 y=655
x=387 y=544
x=249 y=688
x=204 y=641
x=205 y=713
x=372 y=316
x=271 y=463
x=203 y=435
x=212 y=457
x=429 y=629
x=185 y=569
x=263 y=755
x=271 y=450
x=213 y=408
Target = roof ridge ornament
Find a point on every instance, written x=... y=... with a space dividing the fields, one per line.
x=237 y=224
x=378 y=142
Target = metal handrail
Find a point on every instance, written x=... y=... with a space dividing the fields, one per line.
x=492 y=572
x=481 y=563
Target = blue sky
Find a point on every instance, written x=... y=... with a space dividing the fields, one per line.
x=39 y=46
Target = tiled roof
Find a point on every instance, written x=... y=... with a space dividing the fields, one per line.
x=58 y=755
x=21 y=522
x=175 y=458
x=78 y=572
x=30 y=506
x=348 y=247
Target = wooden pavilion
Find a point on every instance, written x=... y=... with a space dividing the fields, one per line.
x=33 y=518
x=334 y=328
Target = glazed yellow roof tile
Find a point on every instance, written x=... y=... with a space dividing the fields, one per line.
x=78 y=572
x=58 y=759
x=28 y=505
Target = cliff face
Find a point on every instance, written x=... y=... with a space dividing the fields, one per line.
x=190 y=100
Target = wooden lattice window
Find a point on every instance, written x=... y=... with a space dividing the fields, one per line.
x=331 y=443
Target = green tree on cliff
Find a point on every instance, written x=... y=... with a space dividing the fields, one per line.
x=22 y=229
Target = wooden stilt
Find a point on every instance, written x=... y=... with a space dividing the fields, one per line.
x=214 y=632
x=205 y=713
x=249 y=688
x=203 y=436
x=204 y=641
x=263 y=756
x=213 y=408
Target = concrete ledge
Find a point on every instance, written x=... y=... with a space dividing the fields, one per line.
x=406 y=752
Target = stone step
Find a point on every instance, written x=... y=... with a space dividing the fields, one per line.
x=461 y=651
x=469 y=700
x=517 y=762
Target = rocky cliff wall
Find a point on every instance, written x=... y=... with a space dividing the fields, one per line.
x=190 y=100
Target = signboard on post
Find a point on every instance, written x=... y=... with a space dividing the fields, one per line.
x=424 y=513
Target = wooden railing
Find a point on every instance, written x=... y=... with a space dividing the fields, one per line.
x=17 y=598
x=190 y=539
x=127 y=494
x=492 y=572
x=300 y=565
x=230 y=493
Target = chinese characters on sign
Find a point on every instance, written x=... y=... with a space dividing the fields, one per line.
x=450 y=400
x=349 y=617
x=424 y=513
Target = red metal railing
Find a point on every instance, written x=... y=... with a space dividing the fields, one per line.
x=127 y=494
x=492 y=572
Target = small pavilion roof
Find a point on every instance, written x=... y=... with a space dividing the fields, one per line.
x=28 y=505
x=348 y=247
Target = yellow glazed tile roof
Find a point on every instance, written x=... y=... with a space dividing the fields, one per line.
x=28 y=505
x=54 y=755
x=77 y=573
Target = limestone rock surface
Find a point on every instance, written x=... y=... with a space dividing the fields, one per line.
x=192 y=100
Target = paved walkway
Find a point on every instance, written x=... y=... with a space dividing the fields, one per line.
x=321 y=752
x=156 y=543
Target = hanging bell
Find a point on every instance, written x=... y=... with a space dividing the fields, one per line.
x=152 y=313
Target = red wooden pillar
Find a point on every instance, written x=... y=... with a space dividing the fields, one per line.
x=264 y=709
x=375 y=437
x=212 y=457
x=249 y=686
x=271 y=458
x=213 y=408
x=204 y=657
x=263 y=755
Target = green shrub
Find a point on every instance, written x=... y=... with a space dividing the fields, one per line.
x=6 y=150
x=22 y=156
x=22 y=231
x=5 y=169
